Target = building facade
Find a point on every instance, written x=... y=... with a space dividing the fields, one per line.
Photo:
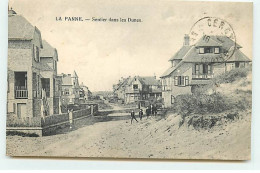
x=70 y=89
x=32 y=69
x=142 y=88
x=24 y=68
x=85 y=93
x=195 y=65
x=119 y=89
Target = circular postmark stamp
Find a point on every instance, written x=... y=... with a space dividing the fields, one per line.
x=214 y=38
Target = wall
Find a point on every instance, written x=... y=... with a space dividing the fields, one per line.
x=184 y=70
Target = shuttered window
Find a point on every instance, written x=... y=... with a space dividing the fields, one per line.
x=181 y=80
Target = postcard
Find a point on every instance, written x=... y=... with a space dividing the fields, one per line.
x=150 y=79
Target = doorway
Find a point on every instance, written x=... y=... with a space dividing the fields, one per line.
x=21 y=110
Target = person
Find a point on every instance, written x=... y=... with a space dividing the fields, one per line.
x=141 y=114
x=155 y=110
x=152 y=109
x=148 y=111
x=71 y=118
x=133 y=116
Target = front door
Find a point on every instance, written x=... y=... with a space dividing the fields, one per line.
x=21 y=110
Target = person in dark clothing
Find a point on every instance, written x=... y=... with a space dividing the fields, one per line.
x=148 y=112
x=141 y=114
x=154 y=110
x=133 y=116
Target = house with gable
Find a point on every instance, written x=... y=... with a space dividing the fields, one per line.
x=142 y=88
x=195 y=65
x=120 y=87
x=24 y=68
x=70 y=87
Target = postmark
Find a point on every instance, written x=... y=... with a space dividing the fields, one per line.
x=217 y=31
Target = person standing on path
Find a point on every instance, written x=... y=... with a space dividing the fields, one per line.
x=71 y=118
x=141 y=114
x=148 y=111
x=133 y=116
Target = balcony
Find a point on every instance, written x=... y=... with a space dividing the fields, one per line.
x=20 y=89
x=21 y=94
x=202 y=76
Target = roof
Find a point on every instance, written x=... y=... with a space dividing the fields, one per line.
x=21 y=29
x=239 y=56
x=122 y=83
x=168 y=71
x=149 y=80
x=66 y=79
x=46 y=67
x=191 y=55
x=179 y=55
x=217 y=40
x=75 y=74
x=48 y=50
x=211 y=42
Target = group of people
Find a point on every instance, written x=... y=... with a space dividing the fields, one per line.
x=150 y=110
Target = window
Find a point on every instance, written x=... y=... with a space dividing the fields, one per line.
x=203 y=69
x=201 y=49
x=208 y=50
x=46 y=85
x=237 y=64
x=37 y=54
x=216 y=49
x=33 y=52
x=197 y=68
x=181 y=80
x=55 y=65
x=135 y=86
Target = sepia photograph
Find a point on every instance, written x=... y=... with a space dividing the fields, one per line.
x=150 y=79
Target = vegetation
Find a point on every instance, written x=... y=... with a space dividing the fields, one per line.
x=203 y=105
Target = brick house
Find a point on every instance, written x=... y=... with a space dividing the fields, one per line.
x=142 y=88
x=70 y=89
x=195 y=65
x=24 y=68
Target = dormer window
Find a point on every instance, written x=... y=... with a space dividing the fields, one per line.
x=201 y=50
x=216 y=50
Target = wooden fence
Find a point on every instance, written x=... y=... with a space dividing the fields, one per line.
x=47 y=123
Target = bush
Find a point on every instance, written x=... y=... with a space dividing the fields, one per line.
x=200 y=104
x=232 y=75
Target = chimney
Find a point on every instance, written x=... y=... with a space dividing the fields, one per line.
x=186 y=40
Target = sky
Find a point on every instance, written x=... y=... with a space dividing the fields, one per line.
x=103 y=52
